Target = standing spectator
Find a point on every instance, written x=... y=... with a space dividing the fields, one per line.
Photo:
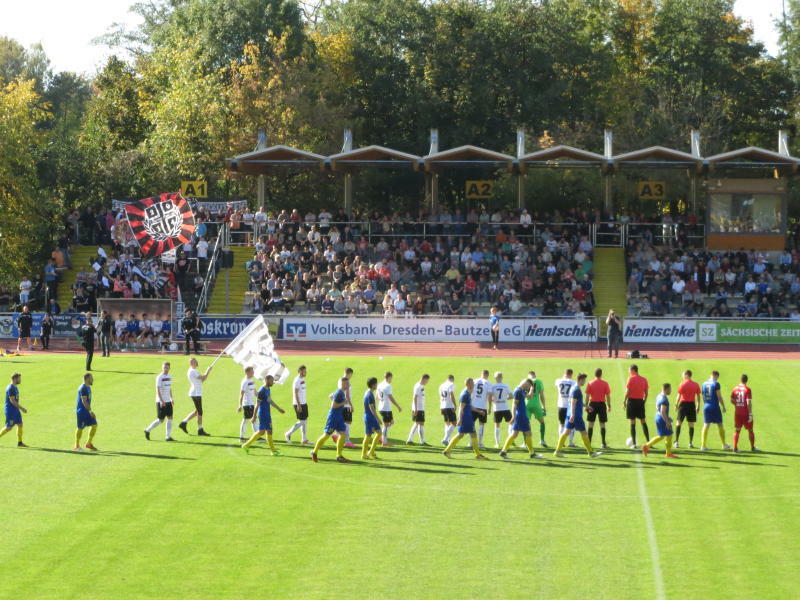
x=25 y=287
x=51 y=278
x=47 y=331
x=202 y=253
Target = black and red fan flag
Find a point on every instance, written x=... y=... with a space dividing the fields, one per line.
x=160 y=223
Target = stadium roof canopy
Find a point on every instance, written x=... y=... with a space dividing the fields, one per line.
x=561 y=156
x=752 y=157
x=657 y=157
x=467 y=156
x=266 y=160
x=372 y=156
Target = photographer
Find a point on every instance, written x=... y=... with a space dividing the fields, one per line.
x=613 y=333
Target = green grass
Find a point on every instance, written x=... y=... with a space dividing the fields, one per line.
x=200 y=519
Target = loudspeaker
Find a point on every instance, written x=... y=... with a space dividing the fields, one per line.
x=227 y=258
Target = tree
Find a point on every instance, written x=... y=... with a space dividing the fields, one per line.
x=26 y=215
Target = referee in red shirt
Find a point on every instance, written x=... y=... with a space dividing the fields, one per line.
x=599 y=394
x=635 y=397
x=687 y=406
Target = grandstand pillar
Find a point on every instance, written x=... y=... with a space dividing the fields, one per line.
x=347 y=146
x=261 y=187
x=520 y=174
x=608 y=150
x=694 y=140
x=431 y=177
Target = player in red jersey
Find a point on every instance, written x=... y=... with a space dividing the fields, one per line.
x=742 y=399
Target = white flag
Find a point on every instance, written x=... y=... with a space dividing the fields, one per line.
x=254 y=347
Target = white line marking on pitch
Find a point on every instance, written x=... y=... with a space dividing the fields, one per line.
x=651 y=533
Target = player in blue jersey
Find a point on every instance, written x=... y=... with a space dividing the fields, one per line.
x=263 y=415
x=85 y=414
x=713 y=407
x=520 y=422
x=14 y=409
x=663 y=422
x=372 y=422
x=574 y=420
x=494 y=327
x=335 y=422
x=133 y=330
x=465 y=423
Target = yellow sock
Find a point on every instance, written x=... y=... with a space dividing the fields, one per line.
x=92 y=431
x=722 y=434
x=529 y=443
x=704 y=437
x=19 y=433
x=509 y=442
x=365 y=445
x=586 y=443
x=339 y=445
x=270 y=442
x=78 y=434
x=322 y=439
x=4 y=431
x=562 y=440
x=655 y=440
x=475 y=448
x=453 y=442
x=669 y=445
x=252 y=439
x=376 y=439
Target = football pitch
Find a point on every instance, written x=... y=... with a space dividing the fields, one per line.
x=201 y=519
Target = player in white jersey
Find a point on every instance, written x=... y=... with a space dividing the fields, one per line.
x=498 y=400
x=447 y=406
x=418 y=411
x=163 y=403
x=196 y=380
x=247 y=402
x=156 y=327
x=564 y=385
x=480 y=401
x=347 y=411
x=120 y=330
x=300 y=407
x=385 y=401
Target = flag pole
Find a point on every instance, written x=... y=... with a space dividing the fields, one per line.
x=217 y=359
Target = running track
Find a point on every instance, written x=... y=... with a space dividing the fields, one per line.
x=465 y=349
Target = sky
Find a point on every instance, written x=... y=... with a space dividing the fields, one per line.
x=66 y=28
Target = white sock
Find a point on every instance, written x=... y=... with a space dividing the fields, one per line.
x=449 y=432
x=510 y=430
x=480 y=434
x=303 y=426
x=153 y=425
x=385 y=433
x=412 y=432
x=169 y=428
x=347 y=433
x=446 y=429
x=294 y=428
x=497 y=434
x=571 y=436
x=421 y=429
x=242 y=428
x=254 y=427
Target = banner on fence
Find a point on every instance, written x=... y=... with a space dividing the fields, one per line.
x=227 y=328
x=398 y=329
x=665 y=331
x=749 y=332
x=64 y=325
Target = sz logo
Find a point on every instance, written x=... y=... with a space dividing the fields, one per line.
x=295 y=330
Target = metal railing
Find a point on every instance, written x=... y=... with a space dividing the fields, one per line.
x=211 y=271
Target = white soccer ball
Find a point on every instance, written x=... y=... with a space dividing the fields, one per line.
x=629 y=442
x=173 y=347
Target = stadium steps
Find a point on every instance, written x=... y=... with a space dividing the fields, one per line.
x=80 y=256
x=239 y=282
x=609 y=283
